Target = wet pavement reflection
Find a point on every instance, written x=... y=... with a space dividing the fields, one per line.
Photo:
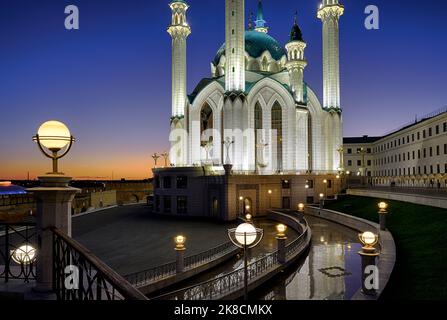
x=331 y=270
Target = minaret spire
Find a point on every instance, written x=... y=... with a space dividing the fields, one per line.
x=250 y=22
x=329 y=13
x=235 y=45
x=260 y=22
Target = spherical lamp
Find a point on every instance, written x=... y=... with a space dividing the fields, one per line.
x=245 y=234
x=54 y=136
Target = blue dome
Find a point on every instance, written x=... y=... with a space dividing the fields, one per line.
x=6 y=188
x=255 y=44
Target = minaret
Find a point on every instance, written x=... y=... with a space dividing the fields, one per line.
x=260 y=22
x=329 y=13
x=296 y=62
x=179 y=31
x=235 y=45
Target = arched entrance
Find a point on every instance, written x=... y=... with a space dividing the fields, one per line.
x=277 y=129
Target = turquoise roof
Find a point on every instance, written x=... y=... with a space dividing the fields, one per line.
x=255 y=45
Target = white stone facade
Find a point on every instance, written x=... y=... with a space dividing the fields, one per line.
x=415 y=156
x=257 y=101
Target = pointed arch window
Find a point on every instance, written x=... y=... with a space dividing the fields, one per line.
x=206 y=124
x=277 y=126
x=258 y=133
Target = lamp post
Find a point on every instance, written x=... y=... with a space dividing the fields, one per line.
x=155 y=156
x=325 y=186
x=245 y=236
x=270 y=198
x=54 y=136
x=368 y=256
x=180 y=250
x=281 y=242
x=165 y=155
x=321 y=200
x=348 y=174
x=54 y=197
x=382 y=215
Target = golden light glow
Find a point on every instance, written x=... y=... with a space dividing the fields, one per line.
x=337 y=176
x=270 y=191
x=300 y=207
x=368 y=239
x=245 y=234
x=325 y=181
x=382 y=207
x=180 y=241
x=241 y=198
x=248 y=217
x=24 y=255
x=54 y=135
x=281 y=230
x=321 y=195
x=5 y=183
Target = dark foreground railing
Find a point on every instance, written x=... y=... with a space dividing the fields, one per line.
x=18 y=241
x=96 y=280
x=225 y=285
x=157 y=273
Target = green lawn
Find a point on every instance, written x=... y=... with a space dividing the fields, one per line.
x=420 y=233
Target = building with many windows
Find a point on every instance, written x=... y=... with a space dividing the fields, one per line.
x=412 y=156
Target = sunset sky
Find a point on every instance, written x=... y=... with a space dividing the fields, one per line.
x=110 y=81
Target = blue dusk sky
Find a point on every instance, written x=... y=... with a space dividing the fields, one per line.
x=110 y=81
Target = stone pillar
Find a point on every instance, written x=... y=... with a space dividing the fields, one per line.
x=368 y=259
x=54 y=198
x=281 y=249
x=382 y=220
x=180 y=259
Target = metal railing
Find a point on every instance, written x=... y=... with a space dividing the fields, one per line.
x=222 y=286
x=157 y=273
x=96 y=280
x=15 y=261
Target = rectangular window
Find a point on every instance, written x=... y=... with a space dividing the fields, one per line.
x=423 y=134
x=359 y=162
x=157 y=182
x=425 y=153
x=438 y=150
x=445 y=127
x=329 y=183
x=182 y=182
x=412 y=137
x=349 y=151
x=286 y=202
x=419 y=135
x=368 y=150
x=413 y=155
x=445 y=148
x=437 y=129
x=310 y=183
x=349 y=163
x=431 y=152
x=429 y=132
x=285 y=184
x=182 y=205
x=166 y=182
x=369 y=163
x=167 y=204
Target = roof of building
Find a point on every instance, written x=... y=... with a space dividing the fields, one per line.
x=7 y=188
x=360 y=140
x=248 y=85
x=256 y=43
x=295 y=33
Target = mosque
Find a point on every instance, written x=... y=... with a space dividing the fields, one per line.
x=255 y=117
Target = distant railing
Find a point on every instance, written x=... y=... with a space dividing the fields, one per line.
x=96 y=280
x=222 y=286
x=285 y=172
x=157 y=273
x=18 y=241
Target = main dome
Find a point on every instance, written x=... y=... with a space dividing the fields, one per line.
x=256 y=43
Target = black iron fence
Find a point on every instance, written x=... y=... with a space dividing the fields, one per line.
x=18 y=243
x=91 y=278
x=157 y=273
x=225 y=285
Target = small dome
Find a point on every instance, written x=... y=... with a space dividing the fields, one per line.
x=296 y=34
x=7 y=188
x=256 y=43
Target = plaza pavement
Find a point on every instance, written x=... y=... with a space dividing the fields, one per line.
x=131 y=239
